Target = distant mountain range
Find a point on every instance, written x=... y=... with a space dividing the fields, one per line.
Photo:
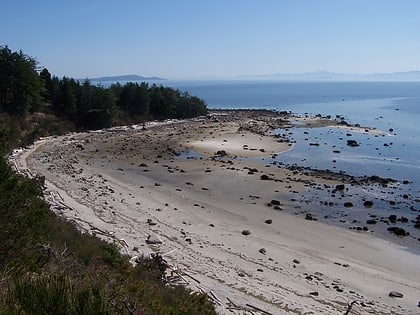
x=128 y=77
x=333 y=76
x=306 y=76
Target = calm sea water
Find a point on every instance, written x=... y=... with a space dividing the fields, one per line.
x=393 y=107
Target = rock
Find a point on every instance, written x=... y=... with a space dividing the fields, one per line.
x=220 y=153
x=340 y=187
x=309 y=217
x=246 y=232
x=275 y=202
x=352 y=143
x=296 y=261
x=153 y=239
x=397 y=231
x=150 y=222
x=262 y=251
x=392 y=218
x=396 y=294
x=368 y=204
x=371 y=221
x=314 y=293
x=268 y=221
x=264 y=177
x=348 y=204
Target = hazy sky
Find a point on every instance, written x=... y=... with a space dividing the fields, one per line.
x=192 y=38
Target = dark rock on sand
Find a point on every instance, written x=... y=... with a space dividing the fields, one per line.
x=268 y=221
x=352 y=143
x=396 y=294
x=340 y=187
x=348 y=204
x=153 y=240
x=264 y=177
x=275 y=202
x=246 y=232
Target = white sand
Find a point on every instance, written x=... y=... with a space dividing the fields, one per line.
x=201 y=207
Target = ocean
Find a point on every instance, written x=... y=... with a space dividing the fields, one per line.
x=392 y=107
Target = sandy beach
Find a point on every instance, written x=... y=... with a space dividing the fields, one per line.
x=195 y=192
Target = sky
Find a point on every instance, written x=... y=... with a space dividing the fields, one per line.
x=184 y=39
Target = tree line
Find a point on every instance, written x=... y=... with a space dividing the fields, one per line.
x=25 y=89
x=46 y=265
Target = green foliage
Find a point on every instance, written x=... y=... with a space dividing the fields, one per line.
x=54 y=294
x=20 y=86
x=46 y=265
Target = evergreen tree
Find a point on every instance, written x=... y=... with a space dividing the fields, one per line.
x=20 y=84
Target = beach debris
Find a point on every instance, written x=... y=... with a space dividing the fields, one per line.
x=396 y=294
x=258 y=309
x=246 y=232
x=349 y=306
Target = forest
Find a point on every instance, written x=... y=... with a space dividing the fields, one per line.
x=46 y=265
x=27 y=92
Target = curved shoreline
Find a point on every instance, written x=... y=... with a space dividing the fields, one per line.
x=116 y=183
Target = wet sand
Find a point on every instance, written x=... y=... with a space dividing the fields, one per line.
x=217 y=216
